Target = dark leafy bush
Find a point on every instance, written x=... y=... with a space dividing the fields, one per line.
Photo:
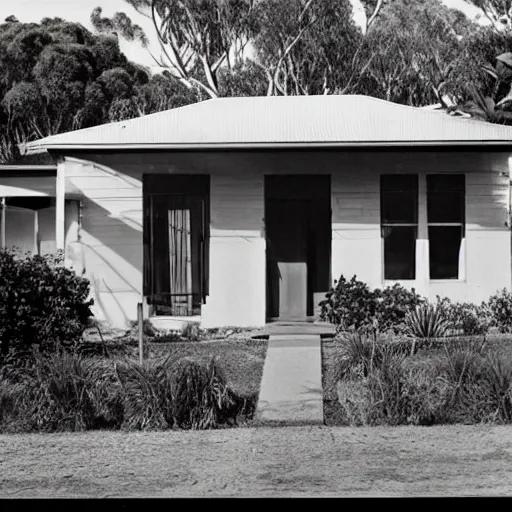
x=42 y=303
x=393 y=304
x=465 y=318
x=350 y=304
x=353 y=305
x=500 y=305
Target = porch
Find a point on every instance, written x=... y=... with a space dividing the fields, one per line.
x=39 y=212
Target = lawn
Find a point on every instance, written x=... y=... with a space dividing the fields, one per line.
x=240 y=356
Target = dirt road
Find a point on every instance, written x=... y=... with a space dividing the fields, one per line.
x=293 y=461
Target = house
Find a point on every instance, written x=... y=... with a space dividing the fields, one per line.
x=236 y=211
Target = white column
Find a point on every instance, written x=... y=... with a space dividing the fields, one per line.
x=2 y=225
x=509 y=219
x=36 y=232
x=60 y=206
x=422 y=250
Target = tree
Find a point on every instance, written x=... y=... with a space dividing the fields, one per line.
x=195 y=37
x=497 y=12
x=413 y=53
x=56 y=76
x=305 y=46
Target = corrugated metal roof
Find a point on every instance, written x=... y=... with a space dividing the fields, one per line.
x=328 y=120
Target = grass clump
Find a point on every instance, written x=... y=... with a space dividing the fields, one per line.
x=72 y=392
x=465 y=381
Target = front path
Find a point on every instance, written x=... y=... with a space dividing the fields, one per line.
x=291 y=385
x=294 y=461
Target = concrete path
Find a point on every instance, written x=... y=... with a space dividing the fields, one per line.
x=291 y=385
x=282 y=327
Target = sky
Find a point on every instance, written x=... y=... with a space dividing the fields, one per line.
x=80 y=11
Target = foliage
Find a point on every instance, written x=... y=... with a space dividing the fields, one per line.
x=203 y=397
x=351 y=304
x=195 y=38
x=68 y=392
x=466 y=318
x=306 y=47
x=60 y=392
x=147 y=395
x=56 y=76
x=42 y=303
x=427 y=321
x=467 y=383
x=393 y=304
x=500 y=305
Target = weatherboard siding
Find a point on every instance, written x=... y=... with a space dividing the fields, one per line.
x=111 y=236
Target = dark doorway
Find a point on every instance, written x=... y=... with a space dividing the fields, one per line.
x=298 y=236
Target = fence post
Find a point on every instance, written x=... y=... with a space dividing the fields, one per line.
x=141 y=332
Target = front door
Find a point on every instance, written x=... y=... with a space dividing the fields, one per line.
x=298 y=235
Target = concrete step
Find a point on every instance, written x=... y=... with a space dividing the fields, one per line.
x=291 y=385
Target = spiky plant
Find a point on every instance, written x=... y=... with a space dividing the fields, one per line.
x=147 y=394
x=358 y=353
x=203 y=397
x=425 y=322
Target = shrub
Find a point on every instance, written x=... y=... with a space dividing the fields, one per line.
x=393 y=304
x=68 y=392
x=500 y=305
x=59 y=393
x=352 y=305
x=191 y=332
x=41 y=303
x=466 y=318
x=425 y=322
x=465 y=384
x=146 y=395
x=203 y=398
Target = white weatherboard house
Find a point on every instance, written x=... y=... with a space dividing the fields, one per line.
x=236 y=211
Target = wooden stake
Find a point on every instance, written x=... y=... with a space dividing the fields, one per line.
x=141 y=332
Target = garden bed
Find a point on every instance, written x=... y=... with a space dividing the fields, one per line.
x=180 y=385
x=492 y=358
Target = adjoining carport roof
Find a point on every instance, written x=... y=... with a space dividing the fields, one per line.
x=277 y=121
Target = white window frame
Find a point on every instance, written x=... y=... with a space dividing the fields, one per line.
x=422 y=280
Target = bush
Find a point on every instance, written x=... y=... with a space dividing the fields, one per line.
x=465 y=384
x=146 y=395
x=67 y=392
x=41 y=303
x=352 y=305
x=425 y=322
x=466 y=318
x=60 y=393
x=500 y=305
x=203 y=398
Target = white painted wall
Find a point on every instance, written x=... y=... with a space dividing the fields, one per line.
x=111 y=248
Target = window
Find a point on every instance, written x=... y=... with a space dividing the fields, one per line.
x=399 y=224
x=176 y=242
x=446 y=224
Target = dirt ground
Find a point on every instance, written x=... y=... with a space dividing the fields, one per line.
x=260 y=462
